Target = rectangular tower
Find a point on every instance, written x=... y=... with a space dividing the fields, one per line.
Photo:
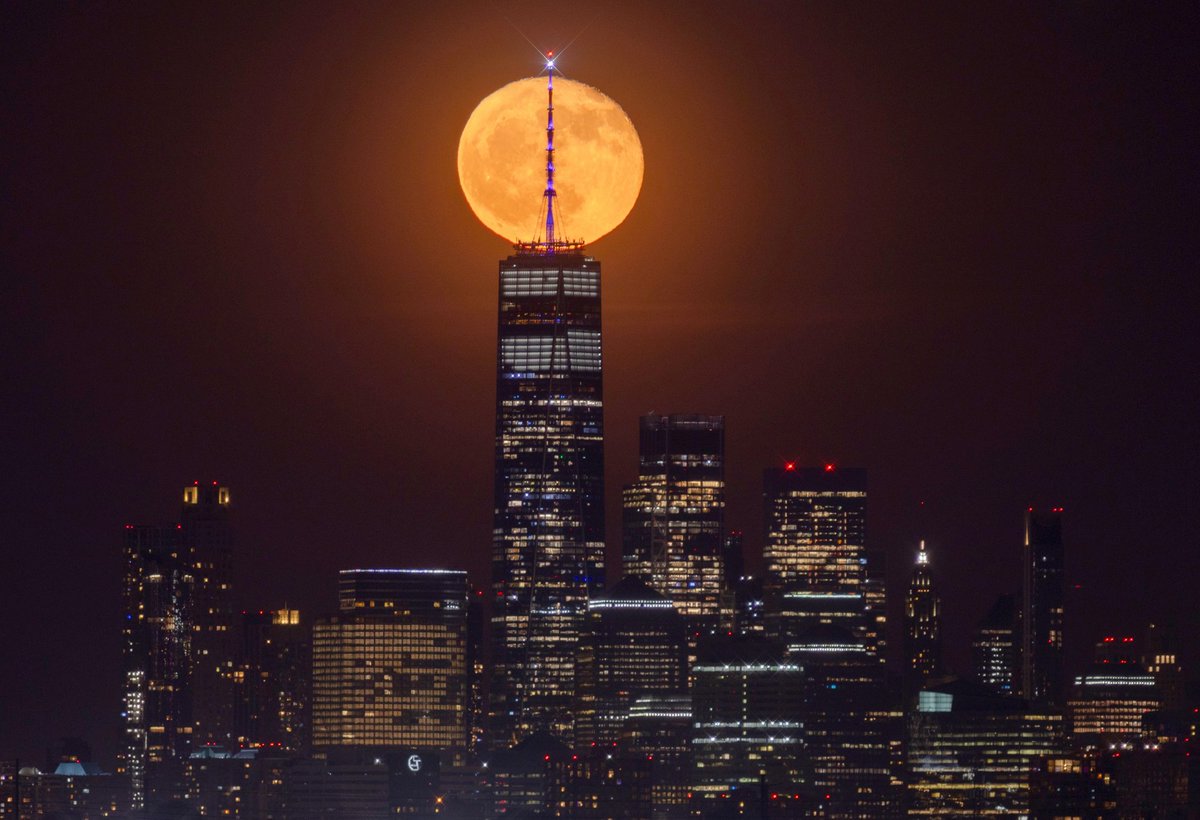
x=1043 y=596
x=390 y=669
x=674 y=514
x=548 y=536
x=815 y=552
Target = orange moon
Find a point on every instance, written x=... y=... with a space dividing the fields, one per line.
x=598 y=162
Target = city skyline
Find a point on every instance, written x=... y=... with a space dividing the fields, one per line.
x=262 y=367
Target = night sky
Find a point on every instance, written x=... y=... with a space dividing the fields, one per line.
x=955 y=245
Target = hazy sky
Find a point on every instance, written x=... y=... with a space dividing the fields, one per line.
x=955 y=245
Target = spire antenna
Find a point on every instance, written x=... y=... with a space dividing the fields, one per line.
x=549 y=243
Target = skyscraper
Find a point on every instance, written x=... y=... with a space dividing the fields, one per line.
x=634 y=645
x=548 y=534
x=996 y=648
x=815 y=552
x=156 y=650
x=207 y=542
x=273 y=680
x=922 y=625
x=390 y=669
x=178 y=649
x=1044 y=590
x=674 y=514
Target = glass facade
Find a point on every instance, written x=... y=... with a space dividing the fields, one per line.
x=996 y=648
x=391 y=669
x=815 y=552
x=548 y=535
x=674 y=514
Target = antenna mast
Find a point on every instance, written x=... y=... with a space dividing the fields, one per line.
x=550 y=192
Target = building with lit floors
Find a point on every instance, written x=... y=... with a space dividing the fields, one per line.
x=548 y=537
x=674 y=514
x=390 y=669
x=816 y=560
x=634 y=644
x=1043 y=599
x=996 y=647
x=853 y=725
x=157 y=633
x=922 y=626
x=971 y=752
x=747 y=724
x=1108 y=704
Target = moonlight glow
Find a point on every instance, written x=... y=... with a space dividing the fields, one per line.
x=597 y=159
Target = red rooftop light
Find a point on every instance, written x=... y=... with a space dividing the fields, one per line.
x=790 y=466
x=829 y=468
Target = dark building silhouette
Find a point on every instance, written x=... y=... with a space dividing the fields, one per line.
x=674 y=514
x=207 y=541
x=748 y=702
x=996 y=647
x=922 y=626
x=273 y=681
x=634 y=644
x=1043 y=597
x=853 y=725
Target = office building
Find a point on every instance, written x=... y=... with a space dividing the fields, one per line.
x=996 y=648
x=1043 y=599
x=815 y=554
x=674 y=514
x=1108 y=703
x=634 y=644
x=157 y=633
x=972 y=752
x=853 y=725
x=273 y=681
x=747 y=721
x=390 y=669
x=922 y=626
x=548 y=535
x=207 y=541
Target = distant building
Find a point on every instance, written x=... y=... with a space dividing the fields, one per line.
x=674 y=514
x=1161 y=658
x=600 y=782
x=853 y=725
x=206 y=537
x=972 y=752
x=1109 y=703
x=72 y=790
x=922 y=626
x=996 y=648
x=273 y=681
x=177 y=644
x=634 y=644
x=747 y=721
x=520 y=775
x=1043 y=599
x=816 y=554
x=660 y=728
x=390 y=670
x=246 y=784
x=156 y=652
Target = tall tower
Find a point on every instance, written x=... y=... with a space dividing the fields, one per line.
x=548 y=533
x=207 y=546
x=674 y=515
x=815 y=552
x=1044 y=591
x=922 y=625
x=996 y=647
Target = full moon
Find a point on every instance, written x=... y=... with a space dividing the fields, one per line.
x=597 y=160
